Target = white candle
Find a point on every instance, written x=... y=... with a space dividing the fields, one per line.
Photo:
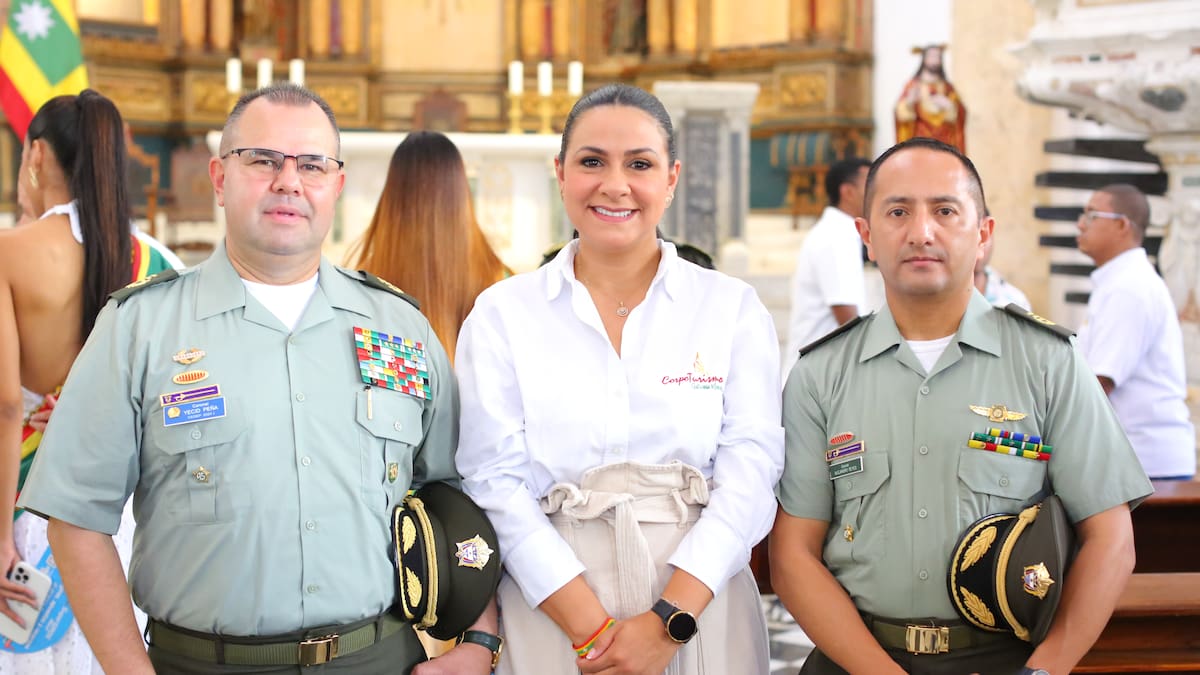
x=296 y=72
x=516 y=78
x=264 y=73
x=233 y=76
x=575 y=78
x=545 y=78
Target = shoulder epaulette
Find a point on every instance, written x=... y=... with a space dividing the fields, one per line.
x=385 y=285
x=831 y=334
x=122 y=294
x=1040 y=321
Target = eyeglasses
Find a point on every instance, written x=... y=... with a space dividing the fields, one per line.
x=1089 y=216
x=263 y=163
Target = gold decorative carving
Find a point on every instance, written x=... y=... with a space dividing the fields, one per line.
x=140 y=95
x=802 y=90
x=206 y=98
x=102 y=49
x=346 y=99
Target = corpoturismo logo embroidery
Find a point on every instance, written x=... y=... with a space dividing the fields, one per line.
x=697 y=378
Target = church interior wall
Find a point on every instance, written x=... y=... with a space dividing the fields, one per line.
x=737 y=23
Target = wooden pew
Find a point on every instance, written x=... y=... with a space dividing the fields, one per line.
x=1155 y=628
x=1166 y=528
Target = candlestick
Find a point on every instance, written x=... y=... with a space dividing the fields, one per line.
x=296 y=72
x=516 y=78
x=545 y=78
x=575 y=78
x=233 y=76
x=264 y=73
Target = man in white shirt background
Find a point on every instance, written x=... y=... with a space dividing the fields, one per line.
x=1132 y=339
x=995 y=288
x=827 y=286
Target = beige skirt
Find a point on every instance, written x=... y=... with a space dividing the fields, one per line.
x=624 y=521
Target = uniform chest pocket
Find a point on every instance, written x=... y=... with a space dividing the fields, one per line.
x=991 y=482
x=858 y=532
x=195 y=459
x=390 y=433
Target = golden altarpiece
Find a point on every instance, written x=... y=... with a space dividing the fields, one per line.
x=164 y=63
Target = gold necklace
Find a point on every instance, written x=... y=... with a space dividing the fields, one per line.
x=622 y=310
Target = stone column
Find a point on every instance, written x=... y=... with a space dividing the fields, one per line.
x=712 y=128
x=1179 y=257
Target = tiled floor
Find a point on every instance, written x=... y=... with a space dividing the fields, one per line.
x=789 y=645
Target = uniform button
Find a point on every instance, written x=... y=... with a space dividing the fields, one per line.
x=313 y=588
x=196 y=434
x=291 y=340
x=1004 y=481
x=310 y=525
x=397 y=426
x=924 y=390
x=300 y=397
x=305 y=460
x=923 y=575
x=924 y=450
x=922 y=513
x=849 y=484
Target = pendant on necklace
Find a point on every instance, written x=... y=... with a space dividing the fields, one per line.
x=622 y=310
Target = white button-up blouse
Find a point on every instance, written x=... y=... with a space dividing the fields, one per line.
x=545 y=398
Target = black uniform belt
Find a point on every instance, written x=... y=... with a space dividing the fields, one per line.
x=302 y=648
x=928 y=636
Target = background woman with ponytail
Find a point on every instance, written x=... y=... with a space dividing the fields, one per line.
x=55 y=275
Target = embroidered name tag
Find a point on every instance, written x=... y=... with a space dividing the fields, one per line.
x=194 y=411
x=844 y=468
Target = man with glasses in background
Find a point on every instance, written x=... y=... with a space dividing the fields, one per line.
x=1132 y=339
x=229 y=399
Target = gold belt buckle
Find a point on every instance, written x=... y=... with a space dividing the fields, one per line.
x=927 y=639
x=315 y=651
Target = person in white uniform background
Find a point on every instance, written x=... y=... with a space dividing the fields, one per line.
x=1132 y=338
x=621 y=425
x=827 y=286
x=994 y=287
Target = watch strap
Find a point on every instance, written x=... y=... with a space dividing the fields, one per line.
x=493 y=643
x=664 y=610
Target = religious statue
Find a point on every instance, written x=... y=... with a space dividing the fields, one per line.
x=929 y=106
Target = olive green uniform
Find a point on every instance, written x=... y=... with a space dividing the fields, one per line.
x=896 y=509
x=273 y=516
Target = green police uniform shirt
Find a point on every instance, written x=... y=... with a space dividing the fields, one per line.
x=264 y=509
x=896 y=508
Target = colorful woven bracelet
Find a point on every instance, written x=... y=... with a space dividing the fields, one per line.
x=586 y=647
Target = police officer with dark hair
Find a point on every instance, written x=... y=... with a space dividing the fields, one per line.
x=905 y=428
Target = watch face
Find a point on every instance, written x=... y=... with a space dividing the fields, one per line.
x=681 y=626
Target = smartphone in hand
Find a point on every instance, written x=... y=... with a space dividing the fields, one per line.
x=27 y=575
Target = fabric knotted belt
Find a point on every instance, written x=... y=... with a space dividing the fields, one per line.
x=304 y=648
x=624 y=495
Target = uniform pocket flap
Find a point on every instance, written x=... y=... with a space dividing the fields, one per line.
x=1002 y=475
x=391 y=415
x=857 y=483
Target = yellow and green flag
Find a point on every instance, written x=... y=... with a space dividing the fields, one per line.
x=40 y=58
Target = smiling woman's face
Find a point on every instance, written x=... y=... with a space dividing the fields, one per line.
x=615 y=177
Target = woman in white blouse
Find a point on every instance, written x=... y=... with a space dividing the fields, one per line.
x=621 y=426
